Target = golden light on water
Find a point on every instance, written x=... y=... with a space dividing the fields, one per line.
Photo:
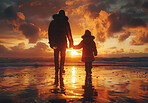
x=73 y=75
x=74 y=52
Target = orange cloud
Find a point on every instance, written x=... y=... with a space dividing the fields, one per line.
x=146 y=49
x=120 y=51
x=21 y=15
x=141 y=37
x=36 y=3
x=123 y=36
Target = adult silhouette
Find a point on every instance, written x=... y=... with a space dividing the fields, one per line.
x=58 y=32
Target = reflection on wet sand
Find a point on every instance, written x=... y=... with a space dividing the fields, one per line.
x=89 y=90
x=103 y=85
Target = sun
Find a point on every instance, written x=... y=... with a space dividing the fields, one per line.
x=74 y=52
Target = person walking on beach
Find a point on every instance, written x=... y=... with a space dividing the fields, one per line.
x=58 y=32
x=89 y=50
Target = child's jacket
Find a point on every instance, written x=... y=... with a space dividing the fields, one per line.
x=89 y=49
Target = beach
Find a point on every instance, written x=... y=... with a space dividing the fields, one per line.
x=106 y=84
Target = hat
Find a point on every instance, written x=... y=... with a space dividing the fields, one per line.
x=62 y=12
x=87 y=34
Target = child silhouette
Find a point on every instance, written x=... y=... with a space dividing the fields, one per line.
x=89 y=49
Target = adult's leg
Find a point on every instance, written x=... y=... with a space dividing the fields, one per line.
x=56 y=60
x=62 y=61
x=90 y=64
x=86 y=66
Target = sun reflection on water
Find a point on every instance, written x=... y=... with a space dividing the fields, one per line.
x=73 y=75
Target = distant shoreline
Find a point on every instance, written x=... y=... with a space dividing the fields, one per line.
x=37 y=62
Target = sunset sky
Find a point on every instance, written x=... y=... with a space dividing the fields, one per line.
x=120 y=27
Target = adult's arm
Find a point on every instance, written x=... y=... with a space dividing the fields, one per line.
x=94 y=49
x=50 y=34
x=69 y=35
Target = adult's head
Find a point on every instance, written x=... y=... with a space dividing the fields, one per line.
x=62 y=12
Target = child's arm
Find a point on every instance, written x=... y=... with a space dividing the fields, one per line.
x=79 y=46
x=95 y=49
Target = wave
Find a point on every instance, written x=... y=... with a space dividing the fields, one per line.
x=36 y=62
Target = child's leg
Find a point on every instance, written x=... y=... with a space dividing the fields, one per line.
x=90 y=66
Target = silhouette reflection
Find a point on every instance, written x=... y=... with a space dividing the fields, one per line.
x=58 y=88
x=89 y=90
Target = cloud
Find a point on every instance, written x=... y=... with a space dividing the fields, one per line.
x=4 y=51
x=19 y=47
x=39 y=50
x=132 y=50
x=123 y=36
x=10 y=13
x=145 y=5
x=141 y=37
x=115 y=23
x=104 y=18
x=18 y=22
x=118 y=51
x=30 y=31
x=113 y=47
x=146 y=49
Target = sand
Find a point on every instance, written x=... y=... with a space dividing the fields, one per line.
x=106 y=84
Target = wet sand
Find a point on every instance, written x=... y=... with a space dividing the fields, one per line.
x=106 y=84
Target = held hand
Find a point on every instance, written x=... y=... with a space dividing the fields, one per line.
x=70 y=45
x=95 y=53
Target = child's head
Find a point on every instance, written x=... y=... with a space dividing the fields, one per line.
x=87 y=34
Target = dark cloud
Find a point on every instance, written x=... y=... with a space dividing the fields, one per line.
x=10 y=13
x=123 y=36
x=30 y=31
x=145 y=5
x=115 y=21
x=135 y=22
x=48 y=7
x=95 y=6
x=95 y=9
x=118 y=21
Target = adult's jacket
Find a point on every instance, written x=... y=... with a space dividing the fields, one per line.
x=59 y=31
